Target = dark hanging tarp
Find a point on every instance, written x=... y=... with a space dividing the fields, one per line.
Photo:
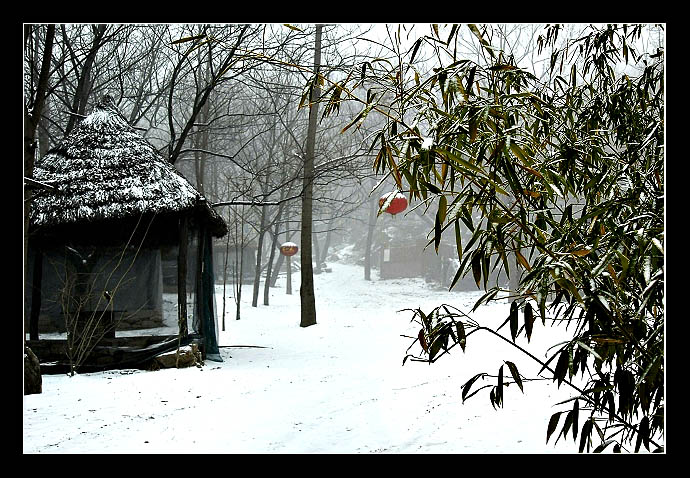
x=207 y=309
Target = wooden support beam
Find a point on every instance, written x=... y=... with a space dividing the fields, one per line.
x=182 y=277
x=37 y=283
x=200 y=298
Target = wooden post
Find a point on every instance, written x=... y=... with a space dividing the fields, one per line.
x=289 y=275
x=36 y=295
x=182 y=278
x=200 y=278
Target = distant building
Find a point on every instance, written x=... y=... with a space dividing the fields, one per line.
x=416 y=259
x=399 y=259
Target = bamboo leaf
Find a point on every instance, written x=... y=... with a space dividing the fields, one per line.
x=561 y=367
x=188 y=39
x=462 y=162
x=477 y=267
x=453 y=29
x=292 y=27
x=573 y=75
x=576 y=413
x=513 y=320
x=462 y=339
x=521 y=259
x=589 y=349
x=468 y=385
x=394 y=167
x=516 y=375
x=612 y=273
x=502 y=67
x=603 y=446
x=496 y=217
x=435 y=347
x=529 y=320
x=306 y=95
x=642 y=434
x=468 y=88
x=517 y=151
x=422 y=340
x=504 y=323
x=442 y=208
x=566 y=425
x=457 y=276
x=553 y=423
x=586 y=432
x=415 y=48
x=473 y=28
x=354 y=121
x=499 y=387
x=531 y=170
x=437 y=230
x=458 y=239
x=431 y=187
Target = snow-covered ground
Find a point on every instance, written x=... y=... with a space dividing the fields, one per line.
x=336 y=387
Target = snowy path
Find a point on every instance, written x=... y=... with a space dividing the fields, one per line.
x=336 y=387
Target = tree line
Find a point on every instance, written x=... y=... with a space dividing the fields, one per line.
x=224 y=104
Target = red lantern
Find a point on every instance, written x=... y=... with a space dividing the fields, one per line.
x=289 y=249
x=397 y=205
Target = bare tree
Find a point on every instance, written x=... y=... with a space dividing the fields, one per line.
x=34 y=100
x=308 y=309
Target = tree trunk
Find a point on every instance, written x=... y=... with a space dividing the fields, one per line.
x=276 y=270
x=316 y=253
x=225 y=271
x=274 y=245
x=238 y=269
x=306 y=292
x=327 y=244
x=373 y=208
x=514 y=281
x=32 y=115
x=85 y=83
x=237 y=273
x=269 y=269
x=201 y=143
x=281 y=258
x=42 y=131
x=259 y=254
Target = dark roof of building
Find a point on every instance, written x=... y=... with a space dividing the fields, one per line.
x=105 y=170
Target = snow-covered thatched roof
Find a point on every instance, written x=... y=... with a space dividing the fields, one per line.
x=104 y=170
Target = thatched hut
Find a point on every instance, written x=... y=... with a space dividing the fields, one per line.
x=110 y=207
